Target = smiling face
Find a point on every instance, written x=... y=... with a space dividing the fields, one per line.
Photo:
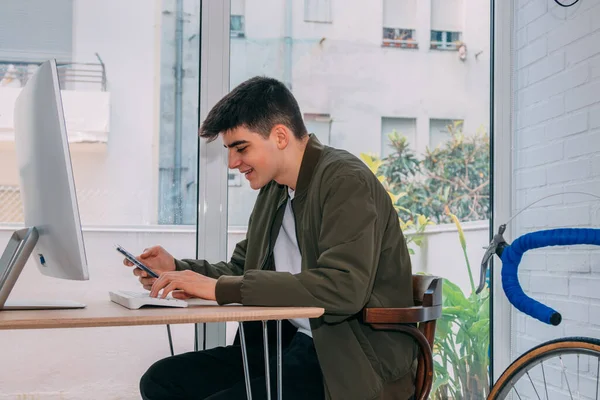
x=253 y=155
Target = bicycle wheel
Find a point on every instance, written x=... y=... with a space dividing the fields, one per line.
x=566 y=368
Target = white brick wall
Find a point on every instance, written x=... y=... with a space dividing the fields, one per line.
x=557 y=149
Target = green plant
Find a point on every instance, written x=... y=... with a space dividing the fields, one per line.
x=461 y=344
x=455 y=174
x=402 y=165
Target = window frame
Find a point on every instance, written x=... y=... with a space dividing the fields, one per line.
x=211 y=225
x=502 y=201
x=309 y=18
x=410 y=43
x=445 y=43
x=237 y=33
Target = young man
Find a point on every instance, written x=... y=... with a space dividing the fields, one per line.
x=323 y=233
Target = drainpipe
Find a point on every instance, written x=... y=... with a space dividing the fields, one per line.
x=287 y=61
x=177 y=206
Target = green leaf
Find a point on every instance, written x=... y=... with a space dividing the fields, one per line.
x=484 y=309
x=481 y=326
x=453 y=295
x=460 y=336
x=437 y=383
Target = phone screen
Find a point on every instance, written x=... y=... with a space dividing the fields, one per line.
x=135 y=261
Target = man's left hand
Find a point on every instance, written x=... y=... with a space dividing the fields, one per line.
x=184 y=284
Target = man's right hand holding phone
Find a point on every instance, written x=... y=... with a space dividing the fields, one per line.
x=157 y=259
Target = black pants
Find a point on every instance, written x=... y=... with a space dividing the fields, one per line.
x=218 y=374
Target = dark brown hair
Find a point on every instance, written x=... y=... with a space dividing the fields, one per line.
x=258 y=104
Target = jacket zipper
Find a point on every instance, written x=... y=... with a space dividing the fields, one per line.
x=296 y=229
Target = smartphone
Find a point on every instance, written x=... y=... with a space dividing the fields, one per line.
x=135 y=261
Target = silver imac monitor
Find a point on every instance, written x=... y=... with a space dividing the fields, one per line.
x=52 y=236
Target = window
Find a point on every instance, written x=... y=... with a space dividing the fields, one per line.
x=372 y=93
x=115 y=64
x=399 y=21
x=406 y=127
x=320 y=125
x=234 y=178
x=447 y=23
x=440 y=131
x=317 y=11
x=397 y=37
x=237 y=21
x=442 y=40
x=236 y=27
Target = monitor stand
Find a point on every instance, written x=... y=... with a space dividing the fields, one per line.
x=19 y=248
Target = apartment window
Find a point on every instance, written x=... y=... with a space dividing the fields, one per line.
x=236 y=27
x=397 y=37
x=317 y=11
x=406 y=127
x=443 y=40
x=447 y=23
x=441 y=129
x=320 y=125
x=399 y=22
x=234 y=178
x=237 y=23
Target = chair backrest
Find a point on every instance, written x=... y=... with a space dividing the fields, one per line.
x=427 y=296
x=427 y=292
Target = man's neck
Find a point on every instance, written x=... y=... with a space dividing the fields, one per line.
x=291 y=170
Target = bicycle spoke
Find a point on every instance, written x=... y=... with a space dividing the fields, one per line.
x=564 y=369
x=534 y=389
x=545 y=384
x=517 y=392
x=578 y=392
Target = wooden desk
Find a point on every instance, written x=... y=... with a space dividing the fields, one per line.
x=106 y=313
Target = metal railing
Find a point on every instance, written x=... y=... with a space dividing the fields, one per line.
x=11 y=209
x=15 y=73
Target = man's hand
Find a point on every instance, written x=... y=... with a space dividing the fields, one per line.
x=157 y=259
x=184 y=284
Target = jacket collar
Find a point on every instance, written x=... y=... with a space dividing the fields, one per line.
x=311 y=157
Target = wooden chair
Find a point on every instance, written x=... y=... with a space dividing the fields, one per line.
x=427 y=295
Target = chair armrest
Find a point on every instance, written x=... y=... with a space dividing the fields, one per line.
x=408 y=315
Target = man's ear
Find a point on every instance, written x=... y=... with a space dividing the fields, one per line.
x=281 y=134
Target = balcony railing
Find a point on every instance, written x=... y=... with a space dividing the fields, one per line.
x=15 y=73
x=404 y=44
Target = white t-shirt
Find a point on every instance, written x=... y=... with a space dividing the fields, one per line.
x=287 y=255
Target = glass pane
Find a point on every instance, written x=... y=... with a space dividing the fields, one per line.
x=369 y=90
x=129 y=79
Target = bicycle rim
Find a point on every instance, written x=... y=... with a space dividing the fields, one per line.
x=566 y=368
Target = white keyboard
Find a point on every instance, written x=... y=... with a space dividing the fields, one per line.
x=135 y=300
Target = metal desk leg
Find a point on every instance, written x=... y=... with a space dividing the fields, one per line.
x=267 y=368
x=266 y=350
x=279 y=363
x=170 y=339
x=197 y=327
x=245 y=361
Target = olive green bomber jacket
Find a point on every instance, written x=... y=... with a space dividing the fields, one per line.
x=353 y=256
